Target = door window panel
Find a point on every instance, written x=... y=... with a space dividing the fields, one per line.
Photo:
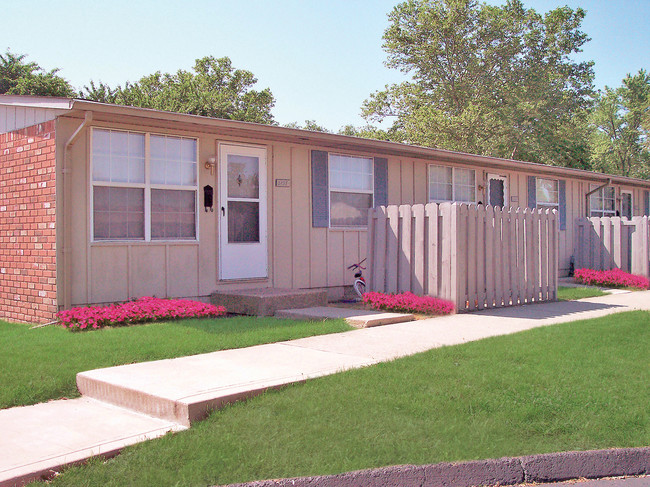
x=243 y=221
x=243 y=176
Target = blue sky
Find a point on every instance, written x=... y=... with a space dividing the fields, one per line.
x=321 y=59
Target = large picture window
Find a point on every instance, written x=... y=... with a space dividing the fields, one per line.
x=602 y=202
x=452 y=184
x=351 y=181
x=140 y=194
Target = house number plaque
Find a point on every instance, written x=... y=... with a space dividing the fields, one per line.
x=283 y=183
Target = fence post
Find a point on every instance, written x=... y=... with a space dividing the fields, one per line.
x=417 y=269
x=434 y=249
x=370 y=246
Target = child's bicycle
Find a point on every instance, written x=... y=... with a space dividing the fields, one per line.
x=359 y=282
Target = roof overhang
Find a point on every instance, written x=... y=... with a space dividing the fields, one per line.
x=104 y=112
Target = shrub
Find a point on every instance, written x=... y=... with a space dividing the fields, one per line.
x=611 y=278
x=142 y=310
x=409 y=302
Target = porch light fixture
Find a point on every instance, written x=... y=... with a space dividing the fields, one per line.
x=211 y=164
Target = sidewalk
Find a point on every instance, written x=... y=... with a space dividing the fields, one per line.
x=131 y=403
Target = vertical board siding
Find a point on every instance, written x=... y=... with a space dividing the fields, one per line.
x=612 y=243
x=477 y=256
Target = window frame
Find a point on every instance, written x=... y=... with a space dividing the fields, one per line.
x=601 y=212
x=330 y=190
x=631 y=193
x=453 y=185
x=147 y=187
x=544 y=204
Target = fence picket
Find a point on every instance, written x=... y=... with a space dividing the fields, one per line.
x=417 y=269
x=543 y=235
x=433 y=250
x=392 y=245
x=490 y=254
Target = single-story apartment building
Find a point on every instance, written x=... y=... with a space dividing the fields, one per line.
x=102 y=203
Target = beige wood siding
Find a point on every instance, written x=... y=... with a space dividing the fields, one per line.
x=299 y=256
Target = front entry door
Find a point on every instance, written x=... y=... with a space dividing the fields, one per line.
x=497 y=191
x=242 y=213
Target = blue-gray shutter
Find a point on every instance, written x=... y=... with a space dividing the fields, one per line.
x=646 y=202
x=381 y=181
x=562 y=201
x=532 y=192
x=320 y=208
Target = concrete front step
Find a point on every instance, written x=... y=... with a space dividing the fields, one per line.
x=354 y=317
x=266 y=301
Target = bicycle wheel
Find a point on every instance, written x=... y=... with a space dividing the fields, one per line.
x=359 y=287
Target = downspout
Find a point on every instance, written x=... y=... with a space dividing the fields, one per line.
x=65 y=246
x=587 y=206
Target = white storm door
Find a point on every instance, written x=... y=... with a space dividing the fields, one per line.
x=497 y=191
x=242 y=213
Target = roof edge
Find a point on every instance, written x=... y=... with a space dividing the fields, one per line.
x=325 y=139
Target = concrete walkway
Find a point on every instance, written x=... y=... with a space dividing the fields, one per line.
x=131 y=403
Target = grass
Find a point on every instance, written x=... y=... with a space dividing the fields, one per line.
x=41 y=364
x=574 y=386
x=572 y=293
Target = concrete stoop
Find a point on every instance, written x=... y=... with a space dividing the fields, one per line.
x=266 y=301
x=354 y=317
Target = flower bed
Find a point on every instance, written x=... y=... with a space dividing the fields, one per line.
x=409 y=303
x=142 y=310
x=611 y=278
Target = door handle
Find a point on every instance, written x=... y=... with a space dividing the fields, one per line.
x=223 y=211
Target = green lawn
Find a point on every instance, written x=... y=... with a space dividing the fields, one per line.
x=571 y=293
x=574 y=386
x=41 y=364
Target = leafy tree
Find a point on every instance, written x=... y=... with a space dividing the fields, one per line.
x=309 y=125
x=620 y=121
x=491 y=80
x=18 y=77
x=367 y=132
x=213 y=89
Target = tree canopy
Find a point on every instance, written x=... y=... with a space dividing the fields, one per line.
x=18 y=77
x=491 y=80
x=619 y=140
x=214 y=89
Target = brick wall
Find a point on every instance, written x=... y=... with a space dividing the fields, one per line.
x=27 y=224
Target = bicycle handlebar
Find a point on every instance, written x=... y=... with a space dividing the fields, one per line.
x=355 y=266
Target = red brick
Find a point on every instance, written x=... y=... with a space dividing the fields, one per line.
x=27 y=221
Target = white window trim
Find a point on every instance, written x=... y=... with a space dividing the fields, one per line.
x=453 y=186
x=353 y=191
x=147 y=186
x=602 y=213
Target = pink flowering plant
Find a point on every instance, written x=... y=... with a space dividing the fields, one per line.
x=409 y=303
x=142 y=310
x=611 y=278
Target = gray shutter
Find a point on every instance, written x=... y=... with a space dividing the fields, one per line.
x=562 y=201
x=532 y=192
x=646 y=202
x=381 y=181
x=320 y=208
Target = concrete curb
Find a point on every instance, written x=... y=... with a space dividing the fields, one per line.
x=548 y=467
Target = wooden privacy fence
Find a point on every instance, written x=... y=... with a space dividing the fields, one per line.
x=613 y=242
x=476 y=256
